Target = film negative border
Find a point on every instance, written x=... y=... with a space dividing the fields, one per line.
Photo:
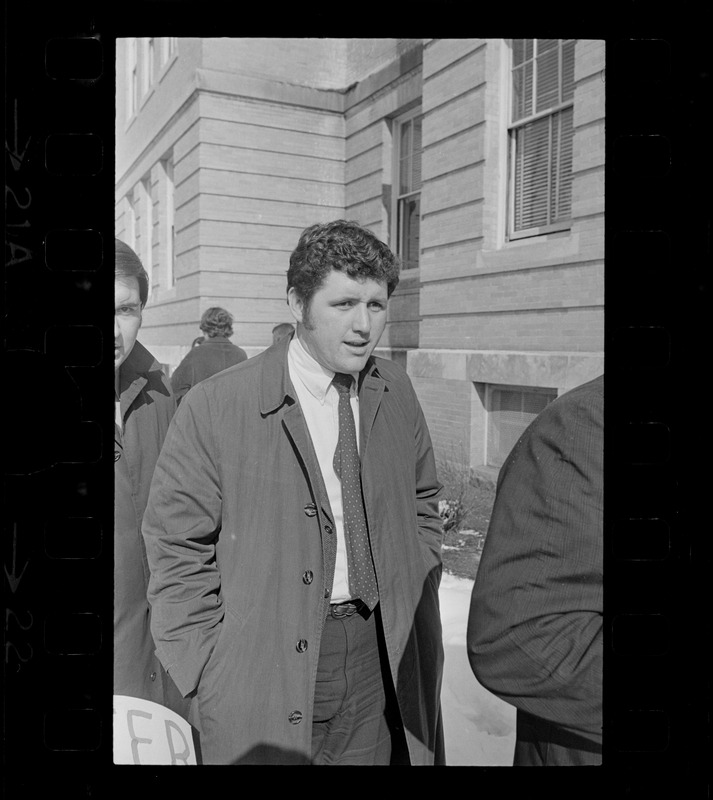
x=653 y=729
x=57 y=546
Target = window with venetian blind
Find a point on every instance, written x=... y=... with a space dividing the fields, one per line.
x=407 y=197
x=541 y=136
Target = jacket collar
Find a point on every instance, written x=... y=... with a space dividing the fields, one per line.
x=276 y=386
x=134 y=375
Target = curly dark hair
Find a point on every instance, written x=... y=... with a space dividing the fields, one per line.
x=216 y=321
x=128 y=265
x=342 y=245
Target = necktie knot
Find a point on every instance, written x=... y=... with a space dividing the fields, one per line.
x=342 y=382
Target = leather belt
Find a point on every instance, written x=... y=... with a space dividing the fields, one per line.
x=341 y=610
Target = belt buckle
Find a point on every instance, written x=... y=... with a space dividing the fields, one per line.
x=345 y=610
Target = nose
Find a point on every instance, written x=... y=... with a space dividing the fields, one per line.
x=361 y=321
x=117 y=331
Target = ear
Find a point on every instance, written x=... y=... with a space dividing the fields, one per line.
x=295 y=303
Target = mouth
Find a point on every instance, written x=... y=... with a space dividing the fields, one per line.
x=357 y=346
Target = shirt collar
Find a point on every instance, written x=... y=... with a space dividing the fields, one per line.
x=315 y=378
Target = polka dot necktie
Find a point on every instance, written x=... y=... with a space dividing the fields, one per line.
x=362 y=579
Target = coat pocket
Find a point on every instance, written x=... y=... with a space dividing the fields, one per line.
x=219 y=670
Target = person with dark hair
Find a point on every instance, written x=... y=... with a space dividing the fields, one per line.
x=294 y=538
x=143 y=409
x=215 y=353
x=282 y=329
x=535 y=630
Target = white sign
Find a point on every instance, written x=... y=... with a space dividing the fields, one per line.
x=149 y=733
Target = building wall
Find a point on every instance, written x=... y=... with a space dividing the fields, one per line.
x=523 y=313
x=370 y=109
x=267 y=136
x=365 y=57
x=173 y=86
x=262 y=146
x=318 y=63
x=256 y=160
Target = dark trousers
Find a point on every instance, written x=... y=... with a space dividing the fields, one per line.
x=356 y=718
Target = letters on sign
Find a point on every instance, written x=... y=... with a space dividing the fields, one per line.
x=149 y=733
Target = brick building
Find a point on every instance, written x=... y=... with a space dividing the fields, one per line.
x=480 y=161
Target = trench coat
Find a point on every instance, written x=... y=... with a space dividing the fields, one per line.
x=240 y=539
x=535 y=625
x=146 y=405
x=212 y=355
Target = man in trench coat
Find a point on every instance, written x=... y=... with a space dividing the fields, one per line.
x=535 y=624
x=240 y=531
x=144 y=406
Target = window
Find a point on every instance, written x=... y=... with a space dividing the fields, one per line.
x=130 y=221
x=541 y=136
x=168 y=48
x=147 y=72
x=169 y=226
x=147 y=227
x=510 y=410
x=406 y=214
x=132 y=82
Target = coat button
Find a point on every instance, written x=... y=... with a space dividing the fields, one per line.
x=153 y=676
x=311 y=510
x=301 y=646
x=327 y=592
x=328 y=528
x=308 y=577
x=117 y=455
x=295 y=717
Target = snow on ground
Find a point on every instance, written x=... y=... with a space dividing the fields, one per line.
x=479 y=728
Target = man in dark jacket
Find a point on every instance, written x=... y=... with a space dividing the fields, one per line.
x=215 y=353
x=535 y=625
x=144 y=407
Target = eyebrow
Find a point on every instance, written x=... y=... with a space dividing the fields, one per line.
x=347 y=296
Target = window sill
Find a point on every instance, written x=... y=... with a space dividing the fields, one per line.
x=161 y=295
x=542 y=230
x=531 y=251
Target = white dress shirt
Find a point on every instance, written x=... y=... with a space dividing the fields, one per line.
x=319 y=401
x=117 y=403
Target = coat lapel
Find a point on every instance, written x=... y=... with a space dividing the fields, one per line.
x=278 y=396
x=297 y=430
x=370 y=394
x=133 y=376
